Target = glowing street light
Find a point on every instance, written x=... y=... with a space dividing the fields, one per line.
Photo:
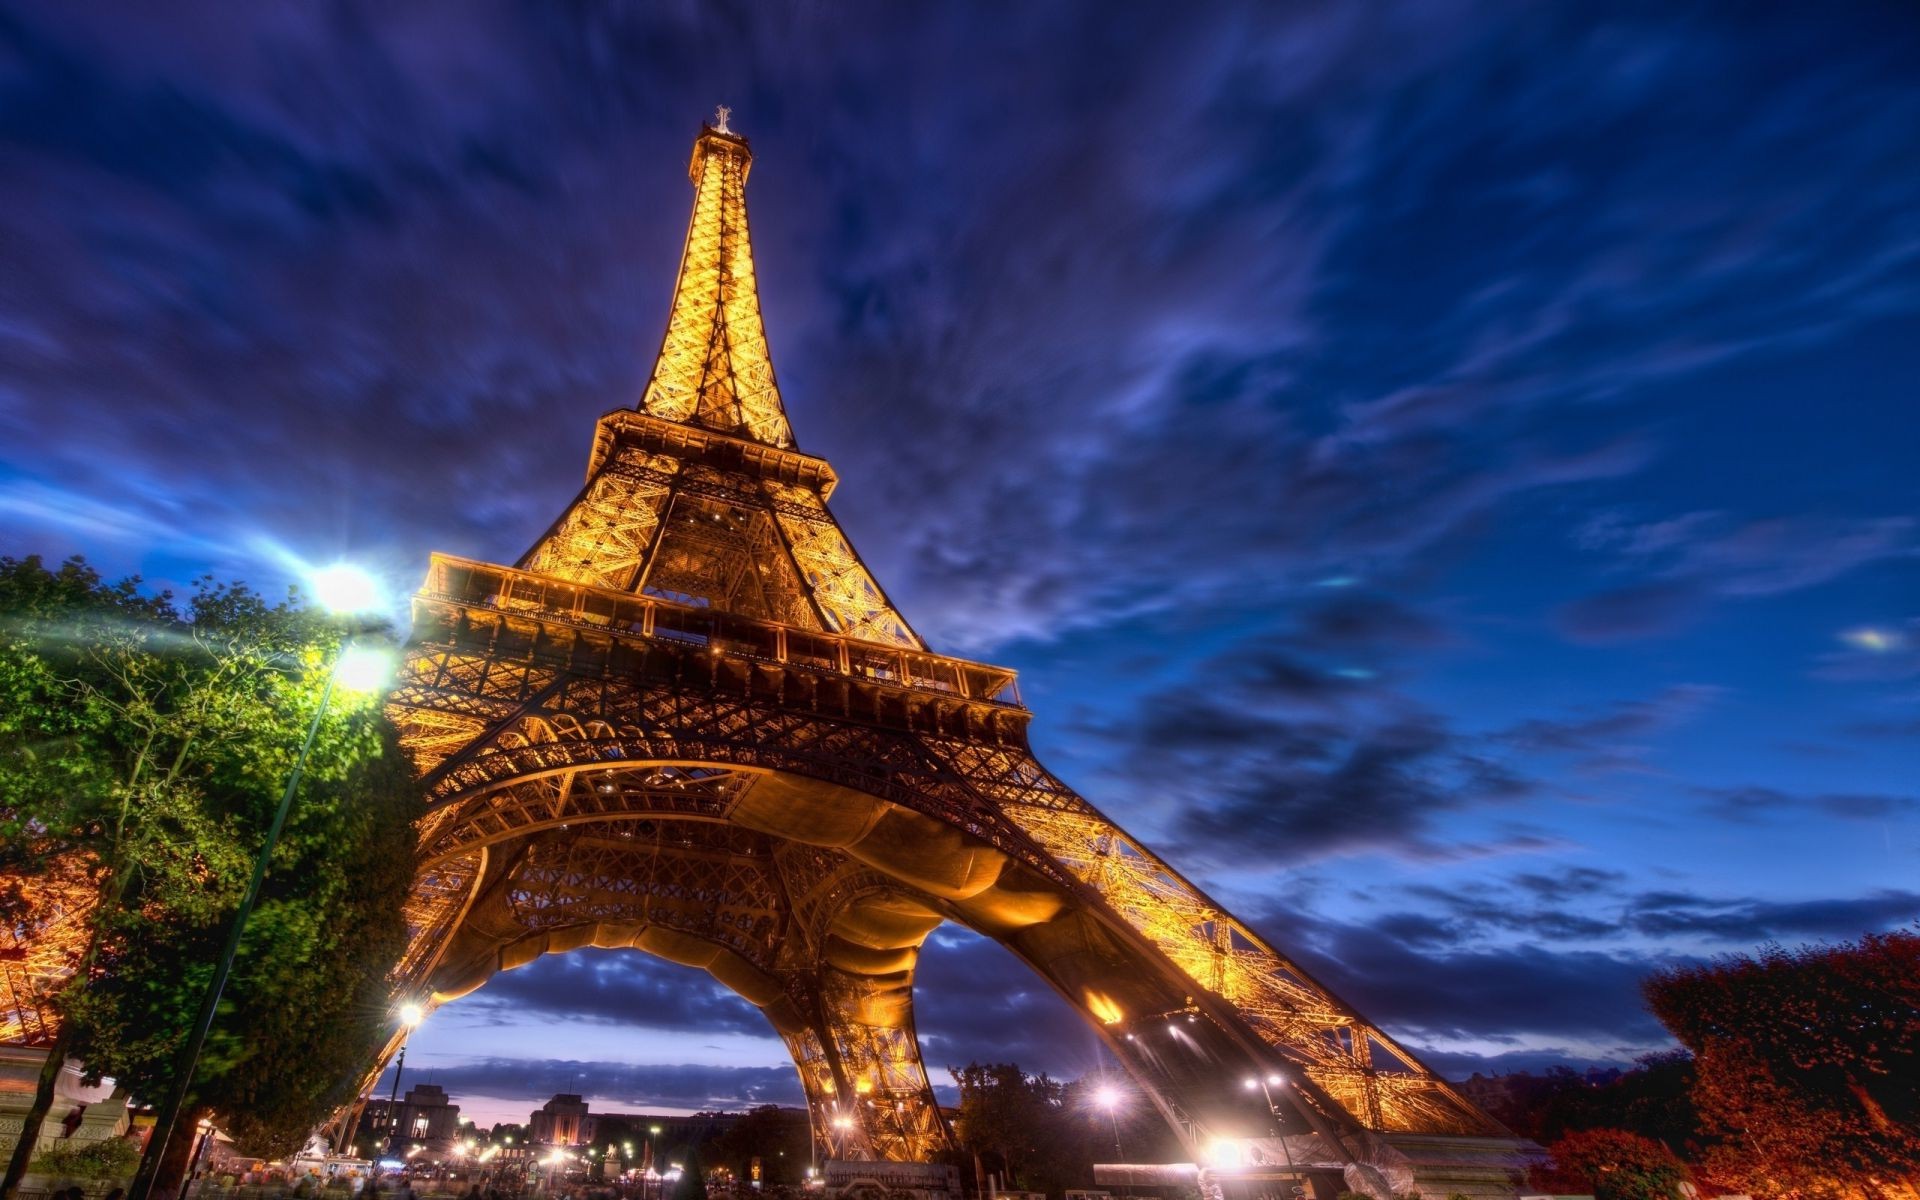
x=1225 y=1152
x=363 y=668
x=1111 y=1099
x=342 y=589
x=345 y=589
x=1273 y=1079
x=410 y=1014
x=653 y=1152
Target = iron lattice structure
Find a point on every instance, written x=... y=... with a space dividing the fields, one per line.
x=41 y=944
x=690 y=721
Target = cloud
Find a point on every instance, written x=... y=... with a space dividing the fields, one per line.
x=1474 y=914
x=974 y=1001
x=1630 y=613
x=1697 y=557
x=1431 y=978
x=614 y=1086
x=1898 y=729
x=1874 y=654
x=1307 y=792
x=1280 y=759
x=1365 y=622
x=1425 y=991
x=1753 y=804
x=1679 y=914
x=1075 y=360
x=612 y=987
x=1569 y=882
x=1615 y=737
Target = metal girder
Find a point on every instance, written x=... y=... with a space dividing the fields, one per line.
x=42 y=944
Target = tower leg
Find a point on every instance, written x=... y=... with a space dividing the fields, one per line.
x=859 y=1058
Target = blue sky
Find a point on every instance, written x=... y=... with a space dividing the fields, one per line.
x=1445 y=471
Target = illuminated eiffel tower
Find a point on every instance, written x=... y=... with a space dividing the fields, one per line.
x=689 y=720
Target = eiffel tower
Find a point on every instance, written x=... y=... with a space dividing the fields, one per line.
x=690 y=721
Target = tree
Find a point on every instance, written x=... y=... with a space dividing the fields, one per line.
x=692 y=1184
x=1808 y=1064
x=778 y=1138
x=1026 y=1124
x=1653 y=1100
x=1614 y=1165
x=143 y=746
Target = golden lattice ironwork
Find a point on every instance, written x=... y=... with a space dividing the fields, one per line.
x=690 y=721
x=713 y=369
x=42 y=943
x=698 y=496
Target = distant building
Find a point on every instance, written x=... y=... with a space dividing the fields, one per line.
x=426 y=1118
x=561 y=1121
x=566 y=1121
x=1490 y=1092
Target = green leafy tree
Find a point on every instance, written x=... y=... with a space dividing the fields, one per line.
x=144 y=744
x=103 y=1158
x=1026 y=1125
x=1808 y=1065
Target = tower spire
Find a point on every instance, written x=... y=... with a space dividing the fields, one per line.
x=714 y=370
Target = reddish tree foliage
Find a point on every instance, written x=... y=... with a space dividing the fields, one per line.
x=1808 y=1065
x=1612 y=1164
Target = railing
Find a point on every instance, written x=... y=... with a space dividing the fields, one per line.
x=488 y=585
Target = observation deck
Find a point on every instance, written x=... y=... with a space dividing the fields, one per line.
x=480 y=589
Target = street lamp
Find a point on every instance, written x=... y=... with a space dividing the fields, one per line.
x=1273 y=1080
x=411 y=1014
x=344 y=590
x=843 y=1127
x=1108 y=1097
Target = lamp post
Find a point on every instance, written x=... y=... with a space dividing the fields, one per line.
x=1274 y=1079
x=410 y=1016
x=344 y=590
x=1108 y=1097
x=844 y=1125
x=653 y=1160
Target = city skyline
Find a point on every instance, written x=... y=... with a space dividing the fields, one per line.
x=1443 y=476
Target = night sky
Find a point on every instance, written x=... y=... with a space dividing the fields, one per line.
x=1447 y=473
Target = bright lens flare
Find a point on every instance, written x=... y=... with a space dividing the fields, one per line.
x=411 y=1015
x=364 y=669
x=1223 y=1152
x=1107 y=1096
x=344 y=588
